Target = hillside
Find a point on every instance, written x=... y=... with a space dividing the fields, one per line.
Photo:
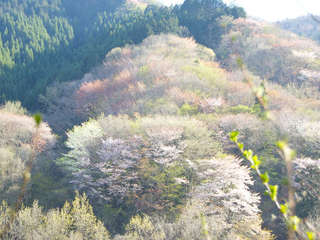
x=41 y=43
x=160 y=78
x=273 y=54
x=164 y=102
x=156 y=123
x=304 y=26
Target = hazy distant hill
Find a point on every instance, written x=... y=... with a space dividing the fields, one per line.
x=272 y=53
x=304 y=26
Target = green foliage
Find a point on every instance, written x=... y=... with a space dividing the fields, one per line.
x=214 y=209
x=240 y=109
x=311 y=236
x=14 y=107
x=256 y=134
x=140 y=228
x=49 y=187
x=12 y=168
x=265 y=177
x=201 y=18
x=73 y=221
x=206 y=72
x=188 y=110
x=167 y=159
x=38 y=119
x=172 y=184
x=161 y=106
x=59 y=41
x=287 y=209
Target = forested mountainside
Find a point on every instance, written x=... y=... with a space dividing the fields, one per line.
x=59 y=40
x=134 y=142
x=44 y=42
x=151 y=156
x=161 y=77
x=306 y=26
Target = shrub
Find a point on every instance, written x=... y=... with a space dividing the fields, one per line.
x=187 y=109
x=258 y=135
x=141 y=228
x=73 y=221
x=240 y=109
x=14 y=107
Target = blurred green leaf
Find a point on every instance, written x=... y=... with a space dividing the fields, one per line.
x=37 y=118
x=294 y=223
x=265 y=177
x=311 y=235
x=234 y=135
x=273 y=192
x=284 y=208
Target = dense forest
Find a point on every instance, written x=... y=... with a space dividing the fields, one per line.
x=44 y=42
x=53 y=41
x=130 y=120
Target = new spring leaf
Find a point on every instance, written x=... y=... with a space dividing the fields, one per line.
x=38 y=119
x=234 y=136
x=273 y=192
x=264 y=178
x=256 y=162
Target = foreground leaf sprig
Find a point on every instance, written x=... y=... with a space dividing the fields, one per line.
x=287 y=209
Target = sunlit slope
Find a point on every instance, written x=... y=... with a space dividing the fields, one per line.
x=155 y=119
x=41 y=43
x=272 y=53
x=165 y=74
x=168 y=85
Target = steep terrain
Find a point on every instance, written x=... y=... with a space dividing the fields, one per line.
x=161 y=77
x=142 y=129
x=44 y=42
x=152 y=154
x=41 y=43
